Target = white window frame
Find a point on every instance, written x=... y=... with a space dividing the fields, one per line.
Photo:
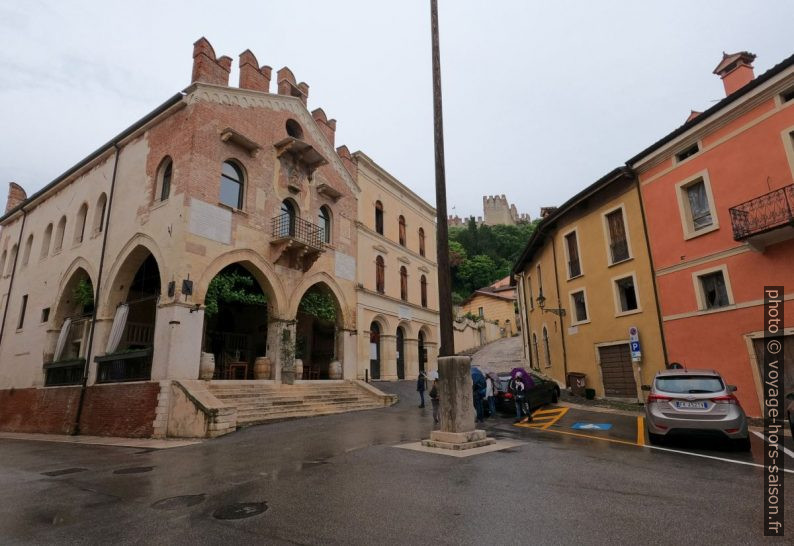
x=700 y=296
x=616 y=294
x=608 y=241
x=568 y=276
x=685 y=213
x=574 y=319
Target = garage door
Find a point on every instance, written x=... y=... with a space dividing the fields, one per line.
x=788 y=361
x=616 y=370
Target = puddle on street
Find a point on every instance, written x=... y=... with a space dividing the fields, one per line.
x=181 y=501
x=63 y=472
x=134 y=470
x=240 y=510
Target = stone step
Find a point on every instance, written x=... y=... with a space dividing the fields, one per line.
x=297 y=409
x=291 y=400
x=260 y=392
x=253 y=419
x=264 y=406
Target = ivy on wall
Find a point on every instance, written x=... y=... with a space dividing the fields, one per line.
x=319 y=305
x=232 y=287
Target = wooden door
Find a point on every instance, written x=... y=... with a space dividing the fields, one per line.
x=617 y=371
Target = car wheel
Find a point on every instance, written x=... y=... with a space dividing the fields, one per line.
x=743 y=444
x=655 y=439
x=555 y=395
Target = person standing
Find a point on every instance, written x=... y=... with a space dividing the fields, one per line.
x=478 y=387
x=518 y=388
x=420 y=387
x=434 y=400
x=490 y=395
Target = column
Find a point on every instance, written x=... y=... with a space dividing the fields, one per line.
x=101 y=334
x=348 y=356
x=432 y=356
x=411 y=358
x=178 y=332
x=281 y=348
x=388 y=357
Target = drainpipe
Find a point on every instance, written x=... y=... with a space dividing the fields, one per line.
x=13 y=274
x=653 y=271
x=84 y=384
x=559 y=306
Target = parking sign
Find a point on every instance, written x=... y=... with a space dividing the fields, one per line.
x=634 y=344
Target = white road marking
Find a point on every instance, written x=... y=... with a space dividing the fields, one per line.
x=786 y=450
x=710 y=457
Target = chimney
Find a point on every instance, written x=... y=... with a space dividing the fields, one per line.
x=693 y=114
x=208 y=69
x=252 y=76
x=286 y=85
x=348 y=161
x=16 y=195
x=736 y=70
x=327 y=126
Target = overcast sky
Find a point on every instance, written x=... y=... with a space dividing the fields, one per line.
x=540 y=98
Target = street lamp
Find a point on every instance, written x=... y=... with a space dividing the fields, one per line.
x=541 y=299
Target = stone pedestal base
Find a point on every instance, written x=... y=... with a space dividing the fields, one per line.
x=458 y=440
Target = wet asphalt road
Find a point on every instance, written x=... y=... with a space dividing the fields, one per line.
x=337 y=479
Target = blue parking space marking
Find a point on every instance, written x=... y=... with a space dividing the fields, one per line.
x=591 y=426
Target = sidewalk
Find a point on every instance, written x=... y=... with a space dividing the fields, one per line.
x=144 y=443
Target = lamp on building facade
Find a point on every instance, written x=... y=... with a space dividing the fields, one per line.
x=541 y=299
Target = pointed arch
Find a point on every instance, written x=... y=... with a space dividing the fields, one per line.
x=324 y=278
x=123 y=270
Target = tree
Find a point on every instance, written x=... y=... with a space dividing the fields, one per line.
x=478 y=272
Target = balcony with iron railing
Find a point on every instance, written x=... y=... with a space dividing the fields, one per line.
x=296 y=242
x=765 y=220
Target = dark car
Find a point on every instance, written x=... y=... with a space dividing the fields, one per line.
x=545 y=391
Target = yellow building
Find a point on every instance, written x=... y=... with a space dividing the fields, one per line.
x=585 y=280
x=496 y=303
x=397 y=290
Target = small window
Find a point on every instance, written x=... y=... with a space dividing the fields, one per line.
x=45 y=314
x=325 y=224
x=232 y=185
x=714 y=290
x=699 y=209
x=579 y=307
x=379 y=217
x=45 y=242
x=421 y=242
x=572 y=246
x=59 y=235
x=687 y=152
x=535 y=351
x=28 y=248
x=3 y=262
x=423 y=283
x=23 y=307
x=99 y=213
x=79 y=227
x=480 y=312
x=546 y=349
x=531 y=297
x=380 y=274
x=402 y=230
x=787 y=95
x=294 y=129
x=618 y=242
x=627 y=294
x=164 y=178
x=403 y=283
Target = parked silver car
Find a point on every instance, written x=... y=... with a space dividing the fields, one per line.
x=683 y=401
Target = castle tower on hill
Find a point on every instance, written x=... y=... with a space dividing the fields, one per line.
x=496 y=211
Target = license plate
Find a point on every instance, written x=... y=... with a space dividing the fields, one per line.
x=682 y=404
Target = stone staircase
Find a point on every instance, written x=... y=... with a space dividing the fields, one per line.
x=260 y=402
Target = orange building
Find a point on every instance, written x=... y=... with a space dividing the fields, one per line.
x=495 y=302
x=718 y=199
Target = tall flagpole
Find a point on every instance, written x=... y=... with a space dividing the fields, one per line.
x=447 y=345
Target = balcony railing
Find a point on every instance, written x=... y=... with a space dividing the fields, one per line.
x=620 y=250
x=764 y=213
x=135 y=365
x=287 y=226
x=65 y=372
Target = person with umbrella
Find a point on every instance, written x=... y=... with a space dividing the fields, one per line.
x=478 y=390
x=519 y=386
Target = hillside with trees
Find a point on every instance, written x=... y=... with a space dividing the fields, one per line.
x=481 y=255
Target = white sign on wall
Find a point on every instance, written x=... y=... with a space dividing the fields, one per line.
x=404 y=312
x=210 y=221
x=344 y=266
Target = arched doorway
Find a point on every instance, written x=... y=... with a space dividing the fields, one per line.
x=317 y=339
x=130 y=346
x=422 y=352
x=374 y=350
x=72 y=319
x=235 y=322
x=400 y=353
